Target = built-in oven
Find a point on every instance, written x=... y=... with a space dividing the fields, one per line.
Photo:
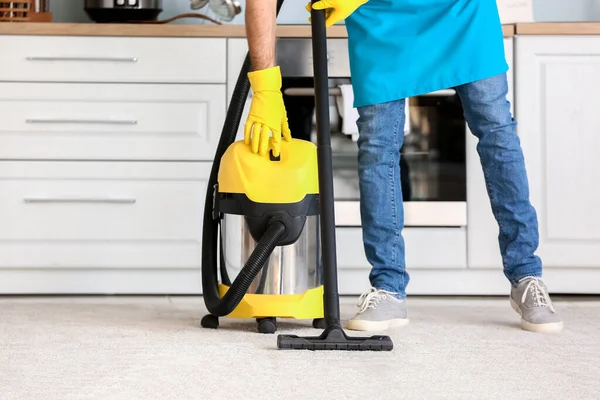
x=433 y=157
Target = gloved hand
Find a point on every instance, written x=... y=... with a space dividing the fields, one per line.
x=267 y=112
x=335 y=10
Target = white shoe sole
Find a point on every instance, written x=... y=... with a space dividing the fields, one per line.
x=551 y=327
x=361 y=325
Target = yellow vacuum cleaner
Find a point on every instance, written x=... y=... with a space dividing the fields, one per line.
x=276 y=243
x=268 y=212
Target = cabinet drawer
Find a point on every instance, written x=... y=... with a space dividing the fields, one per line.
x=110 y=121
x=112 y=59
x=101 y=215
x=425 y=248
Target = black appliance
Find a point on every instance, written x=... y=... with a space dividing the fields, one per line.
x=121 y=11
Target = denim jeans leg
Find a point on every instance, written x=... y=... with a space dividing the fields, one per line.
x=382 y=213
x=487 y=112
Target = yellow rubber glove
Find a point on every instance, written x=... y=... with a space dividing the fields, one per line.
x=335 y=10
x=267 y=113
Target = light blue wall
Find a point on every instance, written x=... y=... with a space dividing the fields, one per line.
x=566 y=10
x=293 y=11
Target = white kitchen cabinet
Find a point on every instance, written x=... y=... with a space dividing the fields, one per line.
x=95 y=207
x=110 y=121
x=98 y=219
x=106 y=146
x=483 y=250
x=558 y=79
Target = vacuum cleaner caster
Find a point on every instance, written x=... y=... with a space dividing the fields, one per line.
x=319 y=323
x=210 y=321
x=266 y=325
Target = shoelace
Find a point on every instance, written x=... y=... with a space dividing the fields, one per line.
x=538 y=292
x=371 y=298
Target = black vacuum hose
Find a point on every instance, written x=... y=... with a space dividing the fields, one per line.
x=255 y=263
x=210 y=229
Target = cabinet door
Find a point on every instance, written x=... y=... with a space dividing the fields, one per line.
x=482 y=232
x=558 y=80
x=236 y=53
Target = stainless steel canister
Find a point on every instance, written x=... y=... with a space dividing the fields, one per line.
x=291 y=269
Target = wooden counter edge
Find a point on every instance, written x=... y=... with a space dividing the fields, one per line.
x=508 y=30
x=125 y=30
x=173 y=30
x=153 y=30
x=557 y=28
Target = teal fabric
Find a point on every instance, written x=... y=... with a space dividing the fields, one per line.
x=403 y=48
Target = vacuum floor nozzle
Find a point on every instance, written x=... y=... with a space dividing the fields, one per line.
x=334 y=338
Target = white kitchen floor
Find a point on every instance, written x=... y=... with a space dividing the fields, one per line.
x=154 y=348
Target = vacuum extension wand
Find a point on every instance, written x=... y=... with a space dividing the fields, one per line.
x=333 y=337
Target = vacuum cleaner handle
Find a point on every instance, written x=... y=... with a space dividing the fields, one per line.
x=333 y=337
x=324 y=156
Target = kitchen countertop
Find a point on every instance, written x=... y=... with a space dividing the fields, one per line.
x=156 y=30
x=194 y=30
x=558 y=28
x=166 y=30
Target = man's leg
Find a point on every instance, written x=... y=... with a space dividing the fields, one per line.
x=487 y=112
x=381 y=129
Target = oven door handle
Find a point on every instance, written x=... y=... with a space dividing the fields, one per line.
x=309 y=92
x=338 y=92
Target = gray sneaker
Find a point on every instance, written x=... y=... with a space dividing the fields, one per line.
x=379 y=310
x=531 y=300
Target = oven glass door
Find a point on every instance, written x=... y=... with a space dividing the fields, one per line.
x=432 y=165
x=432 y=162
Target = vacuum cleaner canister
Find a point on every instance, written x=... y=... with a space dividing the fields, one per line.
x=253 y=194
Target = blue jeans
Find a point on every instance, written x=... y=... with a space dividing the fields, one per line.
x=487 y=112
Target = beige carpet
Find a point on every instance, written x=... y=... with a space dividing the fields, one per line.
x=154 y=348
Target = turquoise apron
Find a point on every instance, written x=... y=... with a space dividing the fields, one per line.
x=403 y=48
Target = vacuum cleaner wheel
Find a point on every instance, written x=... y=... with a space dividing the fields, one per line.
x=210 y=321
x=319 y=323
x=266 y=325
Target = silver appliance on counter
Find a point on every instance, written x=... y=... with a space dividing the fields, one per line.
x=112 y=11
x=226 y=10
x=433 y=157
